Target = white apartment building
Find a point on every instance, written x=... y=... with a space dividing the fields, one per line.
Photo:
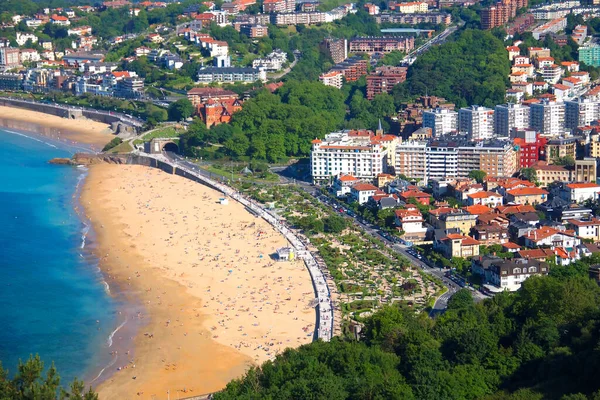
x=438 y=159
x=360 y=153
x=509 y=116
x=548 y=117
x=441 y=121
x=332 y=78
x=552 y=73
x=477 y=122
x=581 y=112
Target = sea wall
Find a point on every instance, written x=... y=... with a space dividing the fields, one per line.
x=59 y=110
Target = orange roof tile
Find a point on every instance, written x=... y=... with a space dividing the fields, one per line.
x=347 y=178
x=535 y=253
x=362 y=187
x=414 y=193
x=533 y=191
x=583 y=186
x=478 y=209
x=510 y=245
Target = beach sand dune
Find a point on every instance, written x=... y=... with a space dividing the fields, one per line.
x=93 y=133
x=215 y=302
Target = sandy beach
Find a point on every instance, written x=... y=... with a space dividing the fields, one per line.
x=85 y=131
x=214 y=301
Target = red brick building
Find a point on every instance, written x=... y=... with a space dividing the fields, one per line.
x=215 y=112
x=500 y=13
x=383 y=79
x=372 y=45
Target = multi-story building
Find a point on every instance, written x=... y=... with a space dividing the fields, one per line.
x=11 y=82
x=274 y=61
x=414 y=19
x=556 y=25
x=254 y=30
x=581 y=112
x=298 y=18
x=441 y=121
x=372 y=45
x=332 y=78
x=552 y=73
x=500 y=274
x=198 y=96
x=383 y=79
x=590 y=54
x=548 y=117
x=477 y=122
x=337 y=49
x=561 y=147
x=279 y=6
x=258 y=19
x=215 y=112
x=500 y=13
x=351 y=69
x=584 y=171
x=10 y=57
x=411 y=7
x=510 y=116
x=130 y=88
x=363 y=154
x=435 y=159
x=230 y=74
x=531 y=147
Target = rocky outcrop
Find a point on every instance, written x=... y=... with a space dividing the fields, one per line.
x=61 y=161
x=90 y=159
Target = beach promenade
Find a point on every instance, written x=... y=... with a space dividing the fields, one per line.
x=324 y=325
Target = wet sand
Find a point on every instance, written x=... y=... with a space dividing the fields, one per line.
x=215 y=302
x=72 y=131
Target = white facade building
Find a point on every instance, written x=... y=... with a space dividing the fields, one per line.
x=361 y=154
x=441 y=121
x=477 y=122
x=581 y=112
x=509 y=116
x=548 y=117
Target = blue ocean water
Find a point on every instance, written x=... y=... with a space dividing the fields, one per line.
x=51 y=291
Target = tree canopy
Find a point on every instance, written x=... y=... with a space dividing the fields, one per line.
x=540 y=342
x=29 y=383
x=473 y=69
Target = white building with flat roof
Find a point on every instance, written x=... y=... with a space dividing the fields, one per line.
x=360 y=153
x=477 y=122
x=509 y=116
x=441 y=121
x=581 y=112
x=548 y=117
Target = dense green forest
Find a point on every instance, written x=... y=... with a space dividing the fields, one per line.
x=541 y=342
x=276 y=126
x=473 y=69
x=29 y=383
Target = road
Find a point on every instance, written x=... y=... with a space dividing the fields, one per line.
x=442 y=302
x=439 y=39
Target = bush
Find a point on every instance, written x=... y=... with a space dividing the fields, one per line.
x=113 y=143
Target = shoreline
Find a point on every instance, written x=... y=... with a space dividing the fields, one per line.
x=191 y=323
x=124 y=306
x=87 y=243
x=82 y=134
